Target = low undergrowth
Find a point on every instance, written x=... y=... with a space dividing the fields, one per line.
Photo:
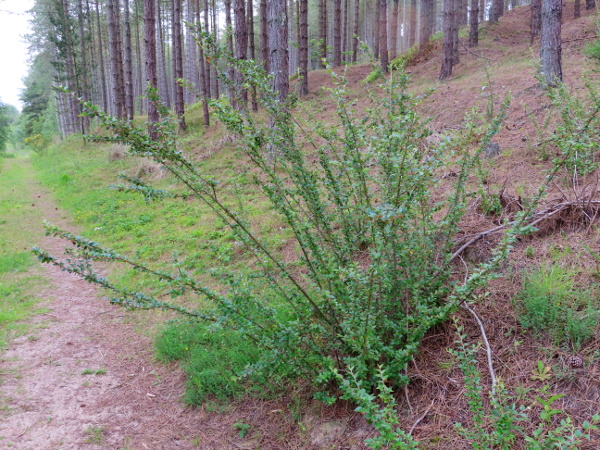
x=214 y=360
x=19 y=278
x=551 y=302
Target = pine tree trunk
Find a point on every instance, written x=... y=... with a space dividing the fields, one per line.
x=190 y=67
x=428 y=21
x=337 y=33
x=496 y=10
x=140 y=67
x=214 y=31
x=105 y=95
x=590 y=4
x=474 y=24
x=207 y=66
x=252 y=47
x=376 y=29
x=550 y=42
x=535 y=24
x=278 y=46
x=241 y=47
x=345 y=32
x=455 y=26
x=165 y=92
x=383 y=47
x=150 y=55
x=85 y=84
x=413 y=23
x=303 y=43
x=128 y=64
x=204 y=68
x=577 y=9
x=448 y=44
x=292 y=57
x=323 y=30
x=264 y=34
x=230 y=70
x=394 y=30
x=178 y=63
x=116 y=62
x=356 y=25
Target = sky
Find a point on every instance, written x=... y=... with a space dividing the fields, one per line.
x=14 y=24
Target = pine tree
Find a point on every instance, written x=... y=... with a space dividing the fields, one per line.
x=550 y=42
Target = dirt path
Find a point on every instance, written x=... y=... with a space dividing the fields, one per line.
x=129 y=401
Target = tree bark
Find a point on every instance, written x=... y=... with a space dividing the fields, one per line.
x=252 y=47
x=278 y=46
x=105 y=95
x=116 y=59
x=337 y=33
x=535 y=23
x=128 y=64
x=323 y=30
x=474 y=24
x=590 y=4
x=383 y=47
x=376 y=30
x=355 y=37
x=230 y=70
x=456 y=4
x=165 y=92
x=550 y=42
x=204 y=68
x=85 y=84
x=241 y=49
x=150 y=55
x=427 y=21
x=303 y=43
x=394 y=31
x=178 y=63
x=264 y=35
x=448 y=43
x=577 y=9
x=413 y=23
x=496 y=10
x=138 y=55
x=345 y=31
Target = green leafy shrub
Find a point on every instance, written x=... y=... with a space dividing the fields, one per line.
x=577 y=135
x=551 y=302
x=375 y=238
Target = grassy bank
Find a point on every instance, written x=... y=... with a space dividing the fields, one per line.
x=81 y=177
x=20 y=225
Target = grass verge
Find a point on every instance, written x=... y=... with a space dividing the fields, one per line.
x=19 y=223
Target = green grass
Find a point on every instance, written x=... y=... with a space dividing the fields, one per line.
x=212 y=359
x=552 y=302
x=20 y=227
x=160 y=232
x=157 y=232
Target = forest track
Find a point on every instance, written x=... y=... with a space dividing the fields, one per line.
x=84 y=378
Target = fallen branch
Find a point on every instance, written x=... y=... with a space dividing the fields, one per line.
x=487 y=346
x=421 y=418
x=537 y=218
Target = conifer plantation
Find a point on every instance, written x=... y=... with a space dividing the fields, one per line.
x=298 y=224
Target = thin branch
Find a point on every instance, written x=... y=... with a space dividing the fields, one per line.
x=487 y=346
x=421 y=417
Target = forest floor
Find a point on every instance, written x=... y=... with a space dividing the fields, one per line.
x=84 y=375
